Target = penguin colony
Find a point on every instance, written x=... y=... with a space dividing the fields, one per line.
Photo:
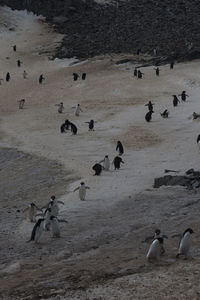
x=49 y=217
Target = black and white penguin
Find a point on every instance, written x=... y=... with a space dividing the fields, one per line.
x=77 y=110
x=150 y=105
x=148 y=116
x=47 y=215
x=117 y=161
x=157 y=71
x=8 y=77
x=60 y=107
x=198 y=140
x=37 y=230
x=185 y=243
x=55 y=228
x=183 y=96
x=75 y=76
x=32 y=210
x=171 y=65
x=120 y=148
x=98 y=169
x=41 y=78
x=19 y=63
x=106 y=163
x=175 y=101
x=90 y=125
x=158 y=234
x=53 y=205
x=67 y=124
x=14 y=48
x=73 y=128
x=62 y=128
x=139 y=74
x=82 y=190
x=135 y=72
x=155 y=249
x=83 y=76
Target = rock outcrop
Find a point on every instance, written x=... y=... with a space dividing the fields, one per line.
x=92 y=28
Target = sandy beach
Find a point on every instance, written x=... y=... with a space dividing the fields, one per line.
x=102 y=250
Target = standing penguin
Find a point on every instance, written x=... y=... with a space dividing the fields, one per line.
x=8 y=77
x=175 y=101
x=185 y=243
x=77 y=110
x=139 y=74
x=32 y=210
x=75 y=76
x=106 y=163
x=120 y=148
x=37 y=230
x=82 y=190
x=150 y=105
x=25 y=74
x=117 y=161
x=157 y=235
x=41 y=78
x=47 y=215
x=19 y=63
x=157 y=71
x=171 y=65
x=83 y=76
x=183 y=96
x=98 y=169
x=53 y=205
x=14 y=48
x=148 y=116
x=198 y=140
x=155 y=249
x=91 y=125
x=55 y=227
x=135 y=72
x=73 y=128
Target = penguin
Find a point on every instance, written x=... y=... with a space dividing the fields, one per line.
x=77 y=110
x=120 y=148
x=150 y=105
x=135 y=72
x=117 y=161
x=55 y=227
x=185 y=243
x=106 y=163
x=195 y=116
x=37 y=230
x=83 y=76
x=165 y=114
x=47 y=215
x=82 y=190
x=25 y=74
x=62 y=128
x=21 y=103
x=171 y=65
x=91 y=125
x=198 y=140
x=19 y=63
x=67 y=124
x=53 y=205
x=158 y=234
x=8 y=77
x=148 y=116
x=75 y=76
x=60 y=107
x=32 y=210
x=183 y=96
x=175 y=101
x=139 y=74
x=41 y=78
x=14 y=48
x=155 y=249
x=98 y=169
x=157 y=71
x=73 y=128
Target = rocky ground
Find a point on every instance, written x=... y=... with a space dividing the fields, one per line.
x=102 y=249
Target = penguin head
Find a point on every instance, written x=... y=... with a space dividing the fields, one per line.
x=32 y=204
x=188 y=230
x=160 y=240
x=157 y=231
x=106 y=156
x=53 y=198
x=82 y=183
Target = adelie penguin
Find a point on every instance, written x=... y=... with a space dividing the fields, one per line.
x=82 y=190
x=83 y=76
x=90 y=125
x=185 y=243
x=106 y=163
x=75 y=76
x=183 y=96
x=198 y=140
x=150 y=105
x=120 y=148
x=60 y=107
x=117 y=162
x=148 y=116
x=21 y=103
x=32 y=210
x=73 y=128
x=157 y=235
x=155 y=249
x=37 y=231
x=175 y=101
x=8 y=77
x=98 y=169
x=41 y=78
x=165 y=114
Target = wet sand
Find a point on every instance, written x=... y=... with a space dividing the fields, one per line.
x=101 y=254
